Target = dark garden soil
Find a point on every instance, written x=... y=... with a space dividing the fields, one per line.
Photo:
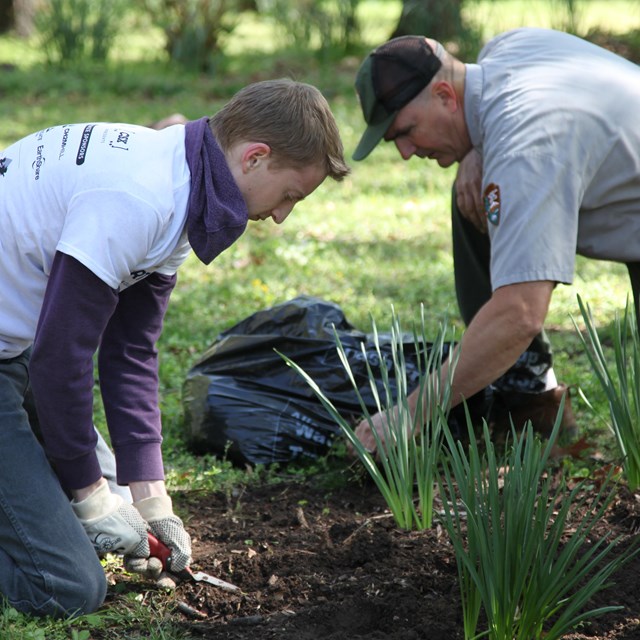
x=316 y=564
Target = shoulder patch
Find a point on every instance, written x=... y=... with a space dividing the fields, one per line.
x=491 y=199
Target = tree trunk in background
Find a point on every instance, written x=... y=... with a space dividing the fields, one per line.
x=18 y=15
x=439 y=19
x=6 y=15
x=24 y=13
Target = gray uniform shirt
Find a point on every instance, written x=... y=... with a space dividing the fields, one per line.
x=557 y=122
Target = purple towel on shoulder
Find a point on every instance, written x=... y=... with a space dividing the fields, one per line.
x=216 y=212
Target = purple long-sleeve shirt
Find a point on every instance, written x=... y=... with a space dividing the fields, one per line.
x=80 y=314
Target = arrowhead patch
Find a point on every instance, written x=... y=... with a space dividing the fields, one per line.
x=491 y=199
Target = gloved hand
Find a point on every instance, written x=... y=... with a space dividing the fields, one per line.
x=113 y=526
x=147 y=567
x=168 y=528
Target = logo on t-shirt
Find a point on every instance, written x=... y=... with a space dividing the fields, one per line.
x=84 y=143
x=4 y=165
x=491 y=199
x=133 y=278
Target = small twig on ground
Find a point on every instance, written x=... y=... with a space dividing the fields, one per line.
x=365 y=524
x=190 y=611
x=302 y=521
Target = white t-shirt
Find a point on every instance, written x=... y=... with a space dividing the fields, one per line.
x=557 y=121
x=113 y=196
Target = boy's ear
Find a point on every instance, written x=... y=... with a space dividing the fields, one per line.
x=253 y=154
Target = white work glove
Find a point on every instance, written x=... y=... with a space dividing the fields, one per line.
x=157 y=511
x=113 y=526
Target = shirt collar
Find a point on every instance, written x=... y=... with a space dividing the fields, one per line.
x=473 y=89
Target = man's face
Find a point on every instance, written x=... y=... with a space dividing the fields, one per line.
x=427 y=128
x=272 y=192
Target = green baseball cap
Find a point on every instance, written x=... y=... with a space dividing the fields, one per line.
x=389 y=78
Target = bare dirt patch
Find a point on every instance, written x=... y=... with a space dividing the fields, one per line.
x=322 y=564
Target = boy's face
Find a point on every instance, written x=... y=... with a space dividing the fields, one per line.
x=270 y=190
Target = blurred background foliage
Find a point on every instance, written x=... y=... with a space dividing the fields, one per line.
x=196 y=33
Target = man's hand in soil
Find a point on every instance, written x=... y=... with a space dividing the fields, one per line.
x=365 y=433
x=379 y=422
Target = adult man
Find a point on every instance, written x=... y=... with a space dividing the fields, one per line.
x=547 y=123
x=94 y=221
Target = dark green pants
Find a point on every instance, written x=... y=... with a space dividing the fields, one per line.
x=471 y=254
x=634 y=276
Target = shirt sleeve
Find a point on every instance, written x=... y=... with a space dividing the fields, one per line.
x=75 y=310
x=80 y=315
x=128 y=371
x=532 y=202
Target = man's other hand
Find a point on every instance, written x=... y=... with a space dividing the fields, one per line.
x=468 y=190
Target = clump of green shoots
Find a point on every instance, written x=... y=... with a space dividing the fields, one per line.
x=523 y=555
x=620 y=382
x=409 y=450
x=524 y=548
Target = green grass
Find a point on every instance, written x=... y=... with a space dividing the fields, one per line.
x=614 y=16
x=380 y=238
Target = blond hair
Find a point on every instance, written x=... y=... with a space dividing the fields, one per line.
x=293 y=118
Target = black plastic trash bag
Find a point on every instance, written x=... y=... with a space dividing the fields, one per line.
x=243 y=401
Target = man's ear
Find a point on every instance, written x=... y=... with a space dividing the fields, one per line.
x=253 y=154
x=445 y=92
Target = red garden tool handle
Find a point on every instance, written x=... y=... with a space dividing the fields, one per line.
x=158 y=549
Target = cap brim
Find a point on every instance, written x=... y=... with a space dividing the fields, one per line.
x=370 y=138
